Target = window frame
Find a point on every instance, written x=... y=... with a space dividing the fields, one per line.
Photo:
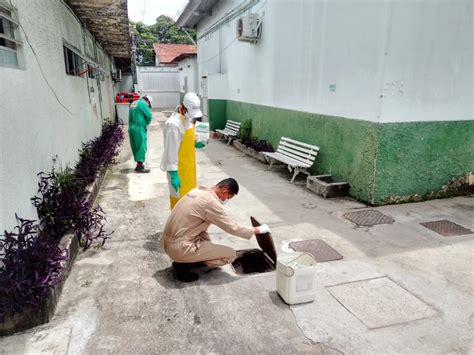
x=6 y=14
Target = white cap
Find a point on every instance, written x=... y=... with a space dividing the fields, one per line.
x=148 y=97
x=193 y=104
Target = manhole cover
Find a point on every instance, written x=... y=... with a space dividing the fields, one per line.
x=318 y=249
x=368 y=218
x=446 y=228
x=252 y=261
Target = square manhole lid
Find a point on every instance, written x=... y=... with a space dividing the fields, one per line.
x=317 y=248
x=446 y=228
x=368 y=218
x=380 y=302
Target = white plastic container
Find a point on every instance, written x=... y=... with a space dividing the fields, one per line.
x=122 y=112
x=295 y=277
x=202 y=133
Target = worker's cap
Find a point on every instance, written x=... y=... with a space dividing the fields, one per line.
x=147 y=97
x=193 y=104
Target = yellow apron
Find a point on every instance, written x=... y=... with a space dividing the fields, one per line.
x=186 y=166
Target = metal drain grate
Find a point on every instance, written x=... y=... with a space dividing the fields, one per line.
x=318 y=249
x=368 y=218
x=446 y=228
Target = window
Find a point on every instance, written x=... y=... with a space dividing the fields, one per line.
x=75 y=65
x=8 y=43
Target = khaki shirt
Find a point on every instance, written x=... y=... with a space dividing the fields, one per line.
x=194 y=213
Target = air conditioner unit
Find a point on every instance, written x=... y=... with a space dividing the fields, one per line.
x=249 y=28
x=117 y=75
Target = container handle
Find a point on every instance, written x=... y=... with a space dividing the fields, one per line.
x=289 y=267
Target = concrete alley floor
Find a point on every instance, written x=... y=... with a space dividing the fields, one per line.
x=400 y=287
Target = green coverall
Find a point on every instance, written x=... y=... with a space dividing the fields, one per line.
x=139 y=118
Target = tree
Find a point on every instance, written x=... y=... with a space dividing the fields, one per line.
x=144 y=41
x=164 y=30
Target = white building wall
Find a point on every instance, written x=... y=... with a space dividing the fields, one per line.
x=429 y=64
x=373 y=60
x=43 y=111
x=188 y=73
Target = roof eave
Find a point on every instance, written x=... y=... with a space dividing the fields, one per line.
x=194 y=11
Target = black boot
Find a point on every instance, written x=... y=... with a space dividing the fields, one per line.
x=141 y=169
x=184 y=273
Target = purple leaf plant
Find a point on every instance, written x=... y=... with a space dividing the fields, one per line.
x=31 y=261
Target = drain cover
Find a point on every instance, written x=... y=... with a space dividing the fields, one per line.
x=252 y=261
x=446 y=228
x=368 y=218
x=318 y=249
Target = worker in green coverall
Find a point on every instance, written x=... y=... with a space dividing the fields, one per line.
x=139 y=118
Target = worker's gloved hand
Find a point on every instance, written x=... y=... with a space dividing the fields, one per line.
x=175 y=182
x=199 y=145
x=263 y=229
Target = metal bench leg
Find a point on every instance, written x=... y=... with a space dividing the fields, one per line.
x=271 y=163
x=296 y=172
x=229 y=140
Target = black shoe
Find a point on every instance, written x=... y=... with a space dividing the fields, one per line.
x=187 y=276
x=184 y=273
x=141 y=169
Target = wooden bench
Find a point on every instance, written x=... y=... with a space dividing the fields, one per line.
x=297 y=155
x=230 y=131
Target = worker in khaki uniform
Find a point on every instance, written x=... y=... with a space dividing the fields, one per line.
x=185 y=238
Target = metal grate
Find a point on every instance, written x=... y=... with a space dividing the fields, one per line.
x=446 y=228
x=318 y=249
x=368 y=218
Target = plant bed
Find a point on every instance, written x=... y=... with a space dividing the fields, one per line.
x=33 y=316
x=249 y=151
x=42 y=313
x=324 y=186
x=37 y=256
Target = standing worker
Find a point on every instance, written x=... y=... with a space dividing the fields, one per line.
x=185 y=238
x=179 y=156
x=139 y=118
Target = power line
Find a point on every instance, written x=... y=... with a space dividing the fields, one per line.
x=41 y=68
x=144 y=8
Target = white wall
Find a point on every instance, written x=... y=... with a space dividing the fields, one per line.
x=161 y=83
x=374 y=60
x=429 y=65
x=188 y=73
x=35 y=125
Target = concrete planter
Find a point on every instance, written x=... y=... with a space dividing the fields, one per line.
x=249 y=151
x=33 y=316
x=324 y=186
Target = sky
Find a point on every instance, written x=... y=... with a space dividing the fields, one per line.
x=153 y=9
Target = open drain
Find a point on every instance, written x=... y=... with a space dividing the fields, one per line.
x=252 y=261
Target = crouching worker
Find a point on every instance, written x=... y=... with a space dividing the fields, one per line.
x=185 y=238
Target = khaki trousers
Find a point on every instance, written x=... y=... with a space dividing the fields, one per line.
x=199 y=250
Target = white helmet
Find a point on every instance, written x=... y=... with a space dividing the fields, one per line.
x=148 y=98
x=193 y=104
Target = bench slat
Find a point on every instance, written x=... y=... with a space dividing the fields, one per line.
x=300 y=143
x=231 y=129
x=298 y=150
x=295 y=157
x=287 y=160
x=306 y=158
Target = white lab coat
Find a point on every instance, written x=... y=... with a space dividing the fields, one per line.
x=173 y=133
